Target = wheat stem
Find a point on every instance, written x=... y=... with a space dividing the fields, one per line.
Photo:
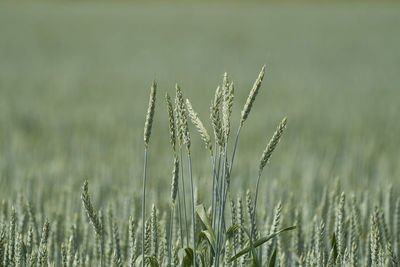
x=193 y=214
x=144 y=203
x=183 y=194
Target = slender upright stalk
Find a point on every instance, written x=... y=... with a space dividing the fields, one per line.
x=234 y=149
x=144 y=202
x=221 y=206
x=180 y=217
x=213 y=159
x=193 y=215
x=170 y=235
x=101 y=252
x=184 y=198
x=256 y=196
x=230 y=172
x=217 y=188
x=147 y=132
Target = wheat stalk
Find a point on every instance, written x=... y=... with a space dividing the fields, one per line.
x=147 y=132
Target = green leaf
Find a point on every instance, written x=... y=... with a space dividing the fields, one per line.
x=261 y=241
x=201 y=212
x=252 y=248
x=231 y=231
x=334 y=246
x=188 y=259
x=206 y=235
x=273 y=259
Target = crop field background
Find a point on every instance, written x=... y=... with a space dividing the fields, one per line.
x=74 y=87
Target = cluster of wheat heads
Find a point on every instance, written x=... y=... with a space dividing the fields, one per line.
x=352 y=229
x=203 y=237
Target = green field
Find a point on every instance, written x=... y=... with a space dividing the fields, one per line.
x=74 y=86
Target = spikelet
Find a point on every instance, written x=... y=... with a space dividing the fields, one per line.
x=64 y=256
x=384 y=230
x=354 y=254
x=397 y=226
x=150 y=114
x=11 y=237
x=215 y=117
x=90 y=211
x=234 y=220
x=392 y=256
x=116 y=262
x=274 y=228
x=171 y=117
x=147 y=240
x=111 y=244
x=320 y=238
x=70 y=250
x=43 y=257
x=175 y=176
x=154 y=232
x=117 y=246
x=199 y=125
x=340 y=217
x=2 y=246
x=240 y=222
x=33 y=222
x=271 y=145
x=33 y=259
x=19 y=251
x=228 y=254
x=227 y=103
x=355 y=232
x=182 y=124
x=132 y=241
x=374 y=242
x=251 y=213
x=252 y=96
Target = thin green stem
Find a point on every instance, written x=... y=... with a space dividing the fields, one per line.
x=170 y=234
x=221 y=206
x=213 y=160
x=230 y=172
x=254 y=215
x=217 y=188
x=180 y=217
x=144 y=202
x=101 y=249
x=255 y=198
x=254 y=207
x=234 y=149
x=184 y=198
x=193 y=215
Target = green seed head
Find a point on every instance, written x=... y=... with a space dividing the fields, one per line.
x=272 y=145
x=199 y=125
x=172 y=132
x=183 y=129
x=252 y=96
x=150 y=114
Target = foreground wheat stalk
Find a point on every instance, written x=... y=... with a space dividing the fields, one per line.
x=147 y=133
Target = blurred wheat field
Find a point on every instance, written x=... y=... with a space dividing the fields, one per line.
x=75 y=78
